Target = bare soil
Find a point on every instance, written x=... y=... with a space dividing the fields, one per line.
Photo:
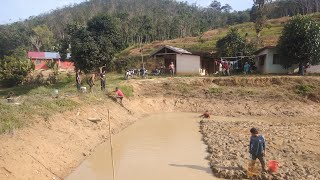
x=51 y=149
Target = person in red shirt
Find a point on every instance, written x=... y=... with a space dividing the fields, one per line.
x=205 y=115
x=119 y=94
x=227 y=68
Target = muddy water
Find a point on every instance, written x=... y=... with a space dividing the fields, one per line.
x=162 y=146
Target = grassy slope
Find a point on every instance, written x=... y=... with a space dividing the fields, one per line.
x=38 y=101
x=207 y=42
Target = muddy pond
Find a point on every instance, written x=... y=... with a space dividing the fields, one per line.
x=161 y=146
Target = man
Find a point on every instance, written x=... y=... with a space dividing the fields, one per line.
x=119 y=95
x=103 y=81
x=172 y=69
x=227 y=68
x=78 y=80
x=257 y=148
x=246 y=68
x=220 y=69
x=90 y=81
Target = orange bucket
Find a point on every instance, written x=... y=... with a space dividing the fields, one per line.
x=273 y=165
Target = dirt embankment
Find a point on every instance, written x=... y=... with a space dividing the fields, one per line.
x=53 y=148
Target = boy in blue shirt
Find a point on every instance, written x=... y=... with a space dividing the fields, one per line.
x=257 y=148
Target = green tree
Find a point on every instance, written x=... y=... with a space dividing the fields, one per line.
x=300 y=42
x=42 y=38
x=233 y=43
x=14 y=68
x=259 y=15
x=95 y=45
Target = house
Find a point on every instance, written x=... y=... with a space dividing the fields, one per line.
x=185 y=62
x=40 y=60
x=268 y=62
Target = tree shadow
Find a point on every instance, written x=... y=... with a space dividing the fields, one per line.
x=196 y=167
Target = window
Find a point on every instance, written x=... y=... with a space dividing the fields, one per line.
x=38 y=61
x=276 y=59
x=262 y=59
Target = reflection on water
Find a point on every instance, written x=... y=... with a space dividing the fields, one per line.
x=160 y=147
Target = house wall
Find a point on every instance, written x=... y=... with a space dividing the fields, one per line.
x=261 y=68
x=40 y=64
x=188 y=64
x=269 y=67
x=314 y=69
x=67 y=65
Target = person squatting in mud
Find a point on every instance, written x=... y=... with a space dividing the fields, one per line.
x=119 y=95
x=205 y=115
x=257 y=148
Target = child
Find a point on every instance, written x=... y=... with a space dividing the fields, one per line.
x=172 y=69
x=205 y=115
x=257 y=148
x=119 y=94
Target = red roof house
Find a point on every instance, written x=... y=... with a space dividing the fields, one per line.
x=40 y=60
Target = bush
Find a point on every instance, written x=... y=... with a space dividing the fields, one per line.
x=15 y=68
x=304 y=89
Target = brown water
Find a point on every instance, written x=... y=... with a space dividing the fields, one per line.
x=160 y=147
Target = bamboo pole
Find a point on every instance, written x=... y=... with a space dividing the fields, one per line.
x=111 y=148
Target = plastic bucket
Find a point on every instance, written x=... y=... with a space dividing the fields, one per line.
x=273 y=165
x=55 y=93
x=83 y=89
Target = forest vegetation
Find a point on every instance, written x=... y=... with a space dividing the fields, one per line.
x=142 y=21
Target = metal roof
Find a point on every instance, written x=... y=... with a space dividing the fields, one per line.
x=46 y=55
x=264 y=48
x=175 y=49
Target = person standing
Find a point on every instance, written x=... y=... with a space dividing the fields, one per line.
x=220 y=69
x=103 y=81
x=78 y=80
x=257 y=148
x=90 y=81
x=172 y=69
x=227 y=69
x=246 y=68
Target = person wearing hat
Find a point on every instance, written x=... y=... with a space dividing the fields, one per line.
x=257 y=148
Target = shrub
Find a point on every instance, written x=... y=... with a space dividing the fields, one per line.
x=304 y=89
x=15 y=68
x=215 y=90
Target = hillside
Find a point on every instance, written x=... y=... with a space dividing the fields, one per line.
x=207 y=41
x=139 y=20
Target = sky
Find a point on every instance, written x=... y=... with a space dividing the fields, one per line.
x=15 y=10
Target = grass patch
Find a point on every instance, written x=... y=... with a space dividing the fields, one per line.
x=215 y=90
x=183 y=88
x=304 y=89
x=127 y=90
x=38 y=101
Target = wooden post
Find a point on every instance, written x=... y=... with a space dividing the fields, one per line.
x=111 y=148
